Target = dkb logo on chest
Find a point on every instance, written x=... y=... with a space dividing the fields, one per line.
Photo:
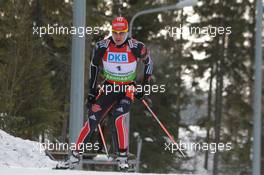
x=117 y=57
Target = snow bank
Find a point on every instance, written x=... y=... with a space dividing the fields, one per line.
x=16 y=152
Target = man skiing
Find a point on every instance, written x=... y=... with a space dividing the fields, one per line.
x=117 y=56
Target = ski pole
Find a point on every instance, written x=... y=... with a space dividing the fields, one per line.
x=103 y=139
x=162 y=126
x=100 y=128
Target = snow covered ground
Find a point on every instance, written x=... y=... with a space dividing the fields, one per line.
x=29 y=171
x=16 y=152
x=24 y=157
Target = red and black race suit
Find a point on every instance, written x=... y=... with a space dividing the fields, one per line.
x=119 y=67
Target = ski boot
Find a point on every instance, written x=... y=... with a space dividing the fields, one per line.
x=71 y=162
x=122 y=162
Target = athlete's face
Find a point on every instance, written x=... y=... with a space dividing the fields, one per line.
x=119 y=37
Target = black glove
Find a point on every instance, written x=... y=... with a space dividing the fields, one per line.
x=90 y=100
x=139 y=95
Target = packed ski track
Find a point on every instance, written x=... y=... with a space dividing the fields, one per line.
x=34 y=171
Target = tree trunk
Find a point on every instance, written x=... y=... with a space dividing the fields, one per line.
x=209 y=109
x=219 y=98
x=178 y=74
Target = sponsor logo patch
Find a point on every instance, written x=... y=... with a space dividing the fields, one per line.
x=120 y=109
x=92 y=117
x=117 y=57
